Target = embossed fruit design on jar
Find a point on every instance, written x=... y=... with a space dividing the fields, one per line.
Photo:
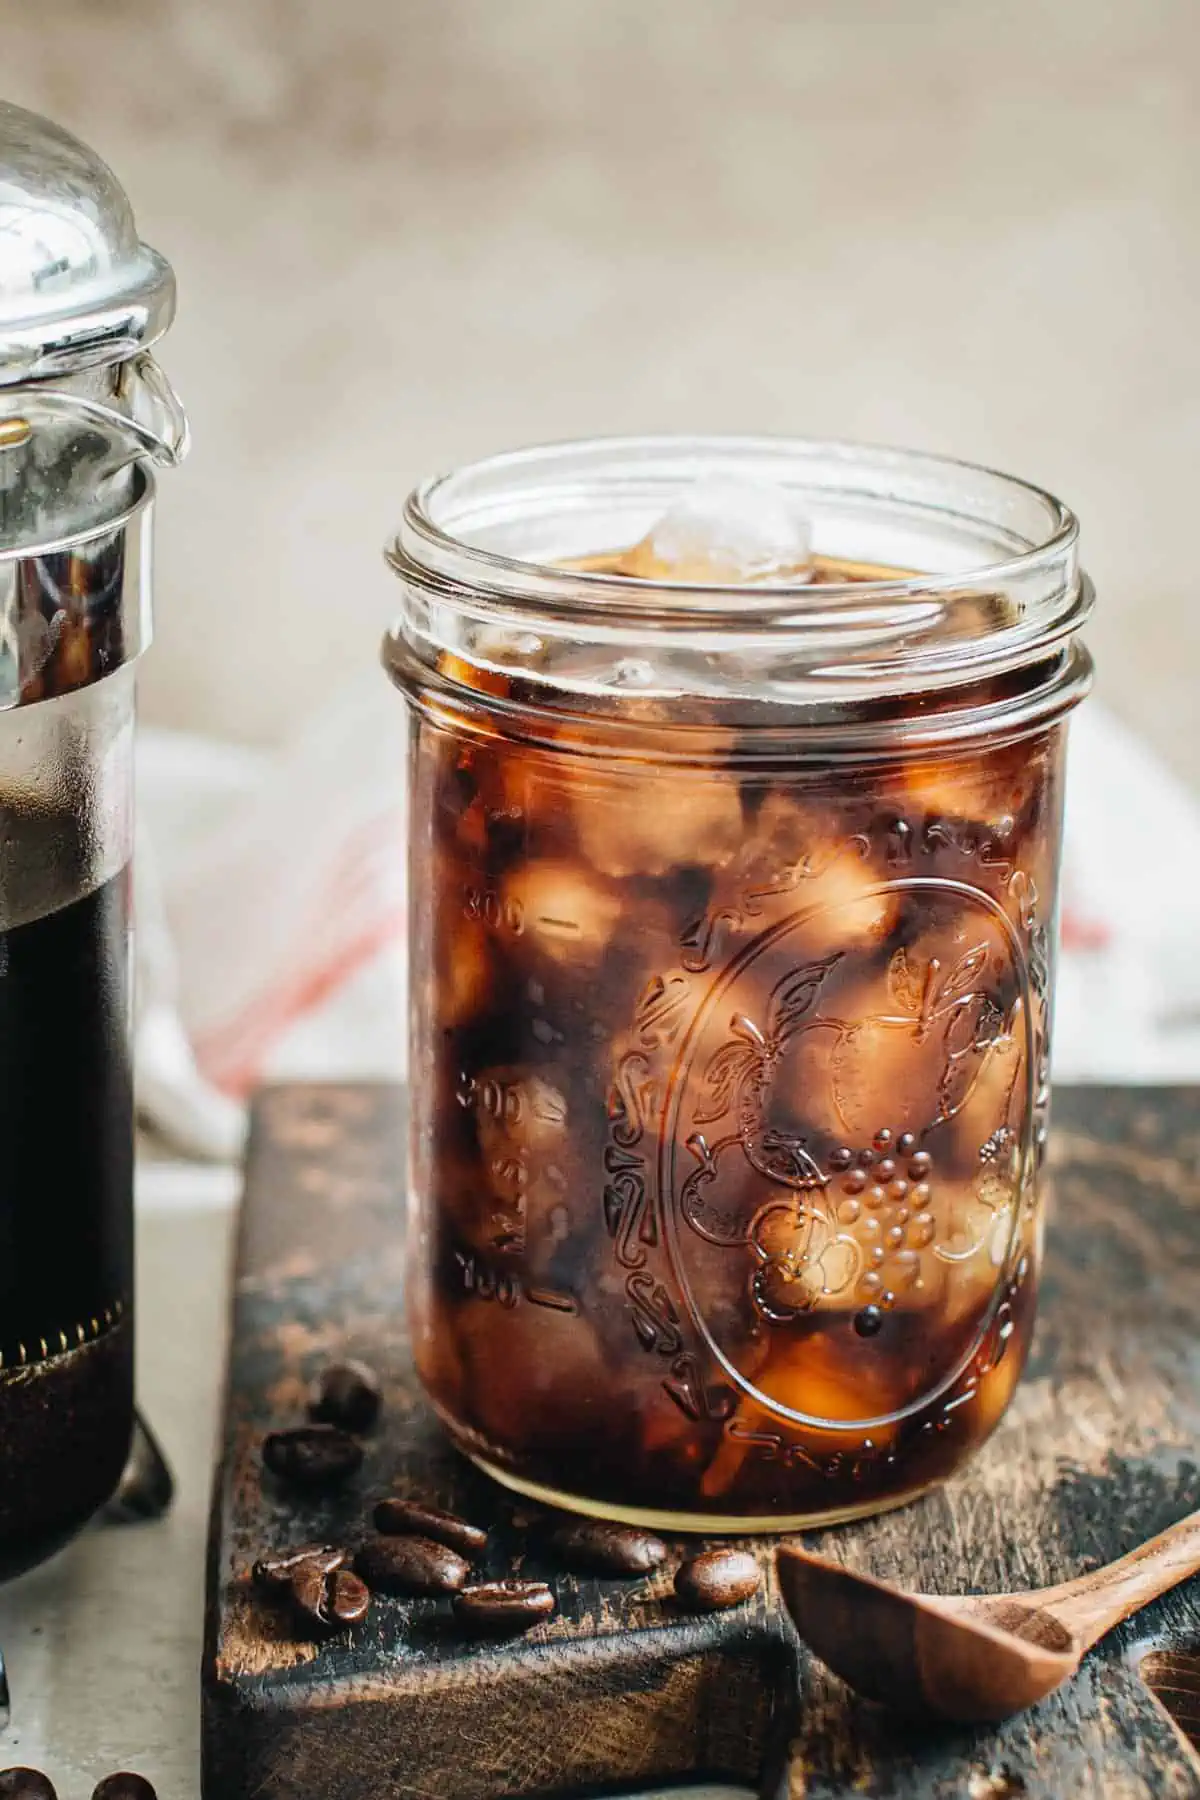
x=736 y=786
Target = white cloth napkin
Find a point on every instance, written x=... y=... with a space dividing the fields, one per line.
x=270 y=901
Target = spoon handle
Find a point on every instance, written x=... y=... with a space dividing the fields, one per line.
x=1093 y=1604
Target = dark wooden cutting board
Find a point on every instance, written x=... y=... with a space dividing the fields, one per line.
x=1099 y=1450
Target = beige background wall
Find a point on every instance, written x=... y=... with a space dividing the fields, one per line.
x=411 y=231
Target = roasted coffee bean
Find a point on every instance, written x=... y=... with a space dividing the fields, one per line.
x=328 y=1600
x=312 y=1456
x=26 y=1784
x=347 y=1394
x=124 y=1785
x=276 y=1571
x=408 y=1518
x=716 y=1579
x=598 y=1548
x=498 y=1607
x=411 y=1566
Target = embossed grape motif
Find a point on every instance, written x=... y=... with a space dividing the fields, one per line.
x=948 y=1022
x=803 y=1258
x=784 y=1164
x=800 y=1254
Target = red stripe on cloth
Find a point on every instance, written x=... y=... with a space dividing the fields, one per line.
x=235 y=1064
x=1080 y=933
x=335 y=940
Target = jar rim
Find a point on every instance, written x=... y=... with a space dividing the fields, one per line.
x=989 y=580
x=422 y=530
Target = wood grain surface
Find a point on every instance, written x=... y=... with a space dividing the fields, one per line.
x=1098 y=1451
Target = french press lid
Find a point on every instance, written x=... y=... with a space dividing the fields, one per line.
x=78 y=287
x=84 y=411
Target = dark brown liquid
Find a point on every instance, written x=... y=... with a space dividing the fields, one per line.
x=728 y=1095
x=823 y=571
x=66 y=1224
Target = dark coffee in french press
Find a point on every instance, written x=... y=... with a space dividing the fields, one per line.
x=83 y=412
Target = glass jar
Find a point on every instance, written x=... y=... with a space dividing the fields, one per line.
x=733 y=914
x=83 y=412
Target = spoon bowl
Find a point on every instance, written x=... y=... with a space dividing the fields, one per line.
x=918 y=1653
x=978 y=1658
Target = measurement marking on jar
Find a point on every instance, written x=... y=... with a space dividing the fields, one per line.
x=508 y=1101
x=512 y=1173
x=497 y=911
x=568 y=926
x=508 y=1290
x=552 y=1301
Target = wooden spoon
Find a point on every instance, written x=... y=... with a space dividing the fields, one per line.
x=980 y=1657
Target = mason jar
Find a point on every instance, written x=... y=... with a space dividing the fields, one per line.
x=733 y=910
x=84 y=414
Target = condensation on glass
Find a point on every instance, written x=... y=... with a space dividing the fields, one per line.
x=733 y=919
x=84 y=411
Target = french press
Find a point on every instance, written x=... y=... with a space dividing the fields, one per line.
x=85 y=414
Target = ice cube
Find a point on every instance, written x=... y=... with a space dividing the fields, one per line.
x=722 y=529
x=649 y=824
